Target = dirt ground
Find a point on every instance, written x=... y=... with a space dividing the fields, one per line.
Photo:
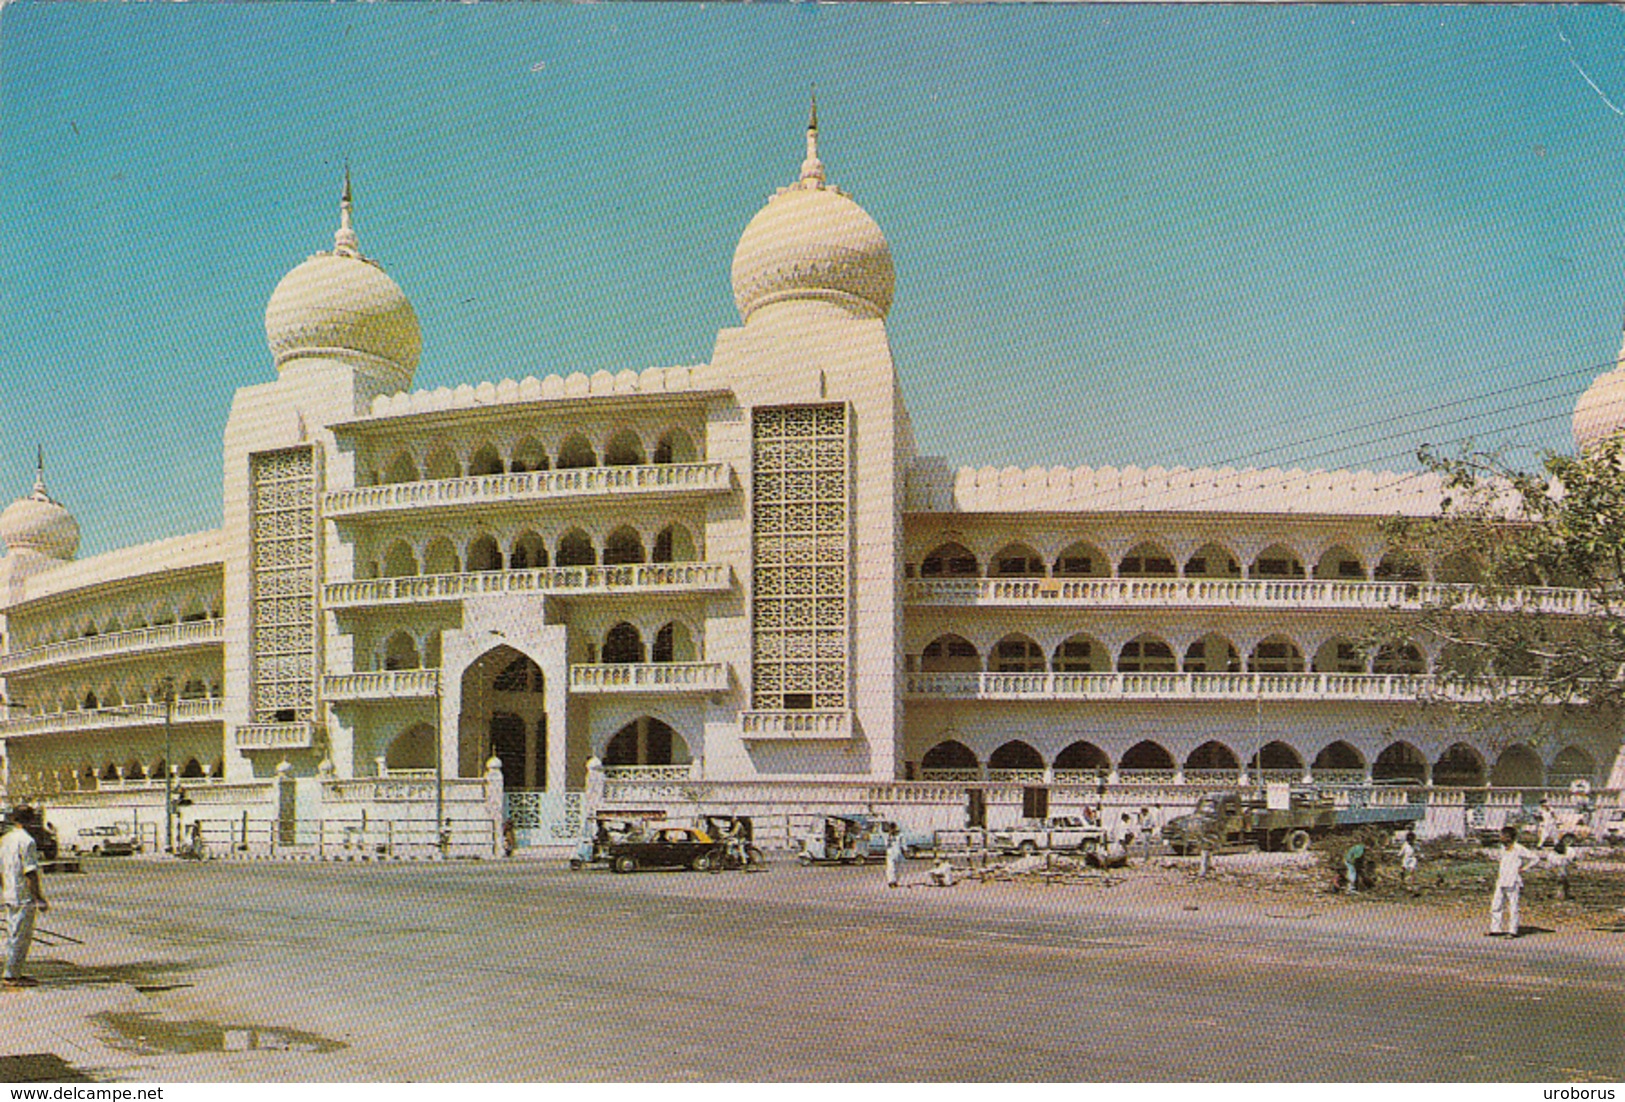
x=1454 y=877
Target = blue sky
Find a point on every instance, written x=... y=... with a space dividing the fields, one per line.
x=1150 y=235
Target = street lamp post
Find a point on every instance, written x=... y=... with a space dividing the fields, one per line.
x=169 y=766
x=439 y=775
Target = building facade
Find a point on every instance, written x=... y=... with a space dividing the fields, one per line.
x=736 y=573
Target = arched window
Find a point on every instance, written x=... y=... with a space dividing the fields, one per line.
x=440 y=557
x=1399 y=658
x=1280 y=757
x=1015 y=754
x=529 y=456
x=192 y=770
x=1081 y=654
x=575 y=549
x=519 y=676
x=673 y=643
x=1017 y=560
x=675 y=447
x=1083 y=755
x=1399 y=761
x=401 y=468
x=90 y=703
x=484 y=554
x=1017 y=654
x=646 y=741
x=1146 y=654
x=529 y=552
x=673 y=544
x=1146 y=755
x=1276 y=562
x=950 y=654
x=1212 y=755
x=951 y=560
x=413 y=748
x=110 y=772
x=1518 y=767
x=1147 y=560
x=622 y=643
x=1397 y=567
x=1212 y=653
x=401 y=652
x=487 y=460
x=1276 y=654
x=576 y=453
x=622 y=546
x=1213 y=560
x=950 y=754
x=1338 y=563
x=1459 y=767
x=1340 y=756
x=400 y=562
x=442 y=464
x=1082 y=560
x=1339 y=655
x=624 y=450
x=1572 y=764
x=194 y=689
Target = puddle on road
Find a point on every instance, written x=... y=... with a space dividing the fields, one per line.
x=148 y=1035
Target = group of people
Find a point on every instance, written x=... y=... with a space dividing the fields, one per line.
x=20 y=890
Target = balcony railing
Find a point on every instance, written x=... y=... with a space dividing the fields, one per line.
x=689 y=771
x=1171 y=686
x=118 y=716
x=571 y=581
x=795 y=724
x=650 y=677
x=502 y=489
x=277 y=736
x=114 y=644
x=1225 y=593
x=381 y=685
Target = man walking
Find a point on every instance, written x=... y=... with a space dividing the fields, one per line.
x=1548 y=825
x=1509 y=882
x=894 y=858
x=20 y=891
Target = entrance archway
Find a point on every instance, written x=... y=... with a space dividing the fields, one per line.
x=504 y=713
x=646 y=741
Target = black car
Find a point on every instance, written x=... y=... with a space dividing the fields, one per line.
x=664 y=848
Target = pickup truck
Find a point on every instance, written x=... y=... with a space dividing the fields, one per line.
x=1060 y=832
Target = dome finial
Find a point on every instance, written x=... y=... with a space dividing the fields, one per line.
x=345 y=242
x=812 y=169
x=39 y=473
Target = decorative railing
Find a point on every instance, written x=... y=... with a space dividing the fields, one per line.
x=114 y=644
x=1174 y=686
x=530 y=486
x=686 y=772
x=1226 y=593
x=123 y=715
x=950 y=774
x=1227 y=777
x=1080 y=776
x=1017 y=776
x=1340 y=776
x=1145 y=776
x=796 y=724
x=650 y=677
x=672 y=577
x=381 y=685
x=276 y=736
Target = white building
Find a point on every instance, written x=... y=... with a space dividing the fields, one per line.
x=733 y=581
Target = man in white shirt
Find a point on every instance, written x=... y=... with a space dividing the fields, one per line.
x=1548 y=824
x=20 y=892
x=1514 y=858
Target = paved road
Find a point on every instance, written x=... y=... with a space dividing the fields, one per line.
x=526 y=971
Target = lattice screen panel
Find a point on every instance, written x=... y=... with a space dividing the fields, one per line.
x=283 y=567
x=801 y=510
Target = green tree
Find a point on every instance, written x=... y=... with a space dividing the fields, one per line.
x=1535 y=636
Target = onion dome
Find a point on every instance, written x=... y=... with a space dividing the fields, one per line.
x=39 y=525
x=340 y=305
x=1600 y=412
x=812 y=241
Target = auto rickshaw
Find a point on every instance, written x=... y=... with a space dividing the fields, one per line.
x=837 y=839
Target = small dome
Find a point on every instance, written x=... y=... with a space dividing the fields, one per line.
x=341 y=305
x=40 y=525
x=1600 y=412
x=812 y=241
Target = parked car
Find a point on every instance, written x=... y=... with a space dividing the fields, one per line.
x=915 y=842
x=106 y=841
x=608 y=828
x=663 y=848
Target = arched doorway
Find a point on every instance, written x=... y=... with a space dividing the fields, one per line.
x=646 y=741
x=504 y=714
